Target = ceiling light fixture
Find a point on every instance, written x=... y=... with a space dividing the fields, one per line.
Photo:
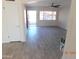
x=30 y=2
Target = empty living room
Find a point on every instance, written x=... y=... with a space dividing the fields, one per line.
x=38 y=29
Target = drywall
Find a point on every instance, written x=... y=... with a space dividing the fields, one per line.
x=12 y=24
x=44 y=22
x=70 y=46
x=63 y=15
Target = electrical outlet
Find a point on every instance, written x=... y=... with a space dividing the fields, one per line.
x=8 y=36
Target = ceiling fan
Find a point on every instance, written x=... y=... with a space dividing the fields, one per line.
x=55 y=5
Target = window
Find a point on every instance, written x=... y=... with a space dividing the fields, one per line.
x=47 y=15
x=32 y=14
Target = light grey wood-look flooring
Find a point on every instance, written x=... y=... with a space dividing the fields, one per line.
x=41 y=43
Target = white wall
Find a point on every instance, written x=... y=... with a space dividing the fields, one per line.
x=44 y=22
x=70 y=46
x=63 y=15
x=12 y=24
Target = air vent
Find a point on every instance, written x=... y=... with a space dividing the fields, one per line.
x=10 y=0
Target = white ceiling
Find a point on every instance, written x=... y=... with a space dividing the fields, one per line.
x=47 y=2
